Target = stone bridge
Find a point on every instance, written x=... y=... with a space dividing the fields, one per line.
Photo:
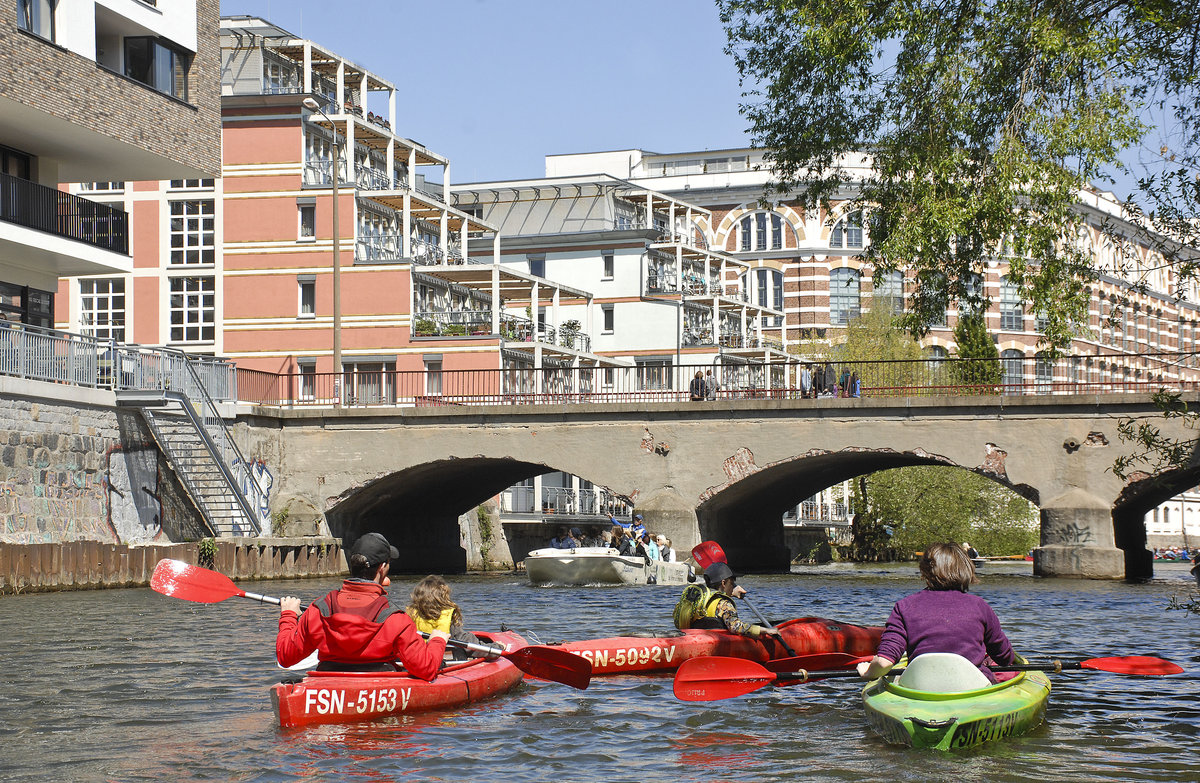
x=724 y=470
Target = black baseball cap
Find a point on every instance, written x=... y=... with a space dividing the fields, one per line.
x=375 y=548
x=717 y=572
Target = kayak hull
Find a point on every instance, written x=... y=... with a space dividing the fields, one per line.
x=948 y=721
x=348 y=697
x=648 y=655
x=599 y=566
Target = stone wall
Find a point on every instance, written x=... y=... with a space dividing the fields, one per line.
x=87 y=565
x=75 y=469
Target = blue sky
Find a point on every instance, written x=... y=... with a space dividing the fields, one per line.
x=496 y=85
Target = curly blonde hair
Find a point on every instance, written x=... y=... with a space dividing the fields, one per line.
x=430 y=598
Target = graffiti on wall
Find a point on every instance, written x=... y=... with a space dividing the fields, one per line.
x=256 y=471
x=133 y=479
x=53 y=503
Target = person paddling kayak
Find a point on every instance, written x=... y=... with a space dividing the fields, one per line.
x=942 y=618
x=713 y=607
x=356 y=628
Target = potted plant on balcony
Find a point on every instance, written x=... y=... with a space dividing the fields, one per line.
x=568 y=333
x=455 y=330
x=423 y=327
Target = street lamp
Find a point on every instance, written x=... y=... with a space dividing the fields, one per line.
x=312 y=105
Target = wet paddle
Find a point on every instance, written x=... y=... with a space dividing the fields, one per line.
x=708 y=552
x=182 y=580
x=713 y=678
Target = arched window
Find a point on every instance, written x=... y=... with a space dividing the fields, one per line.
x=889 y=286
x=847 y=232
x=1044 y=373
x=1012 y=373
x=936 y=354
x=764 y=287
x=844 y=304
x=762 y=231
x=1012 y=314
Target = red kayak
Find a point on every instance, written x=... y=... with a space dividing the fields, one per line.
x=805 y=635
x=343 y=697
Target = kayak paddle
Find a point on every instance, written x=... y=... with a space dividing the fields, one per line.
x=193 y=583
x=708 y=552
x=714 y=677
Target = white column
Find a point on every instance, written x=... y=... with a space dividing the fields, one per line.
x=341 y=88
x=412 y=163
x=496 y=303
x=308 y=66
x=392 y=109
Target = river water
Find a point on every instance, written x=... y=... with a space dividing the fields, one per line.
x=128 y=685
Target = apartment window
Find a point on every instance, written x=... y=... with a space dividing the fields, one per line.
x=762 y=230
x=308 y=379
x=609 y=319
x=608 y=264
x=102 y=308
x=37 y=17
x=101 y=187
x=537 y=265
x=433 y=375
x=156 y=65
x=16 y=164
x=192 y=184
x=653 y=374
x=193 y=309
x=847 y=232
x=889 y=287
x=1012 y=314
x=844 y=302
x=26 y=305
x=1044 y=373
x=1012 y=371
x=765 y=288
x=192 y=232
x=307 y=289
x=972 y=302
x=308 y=221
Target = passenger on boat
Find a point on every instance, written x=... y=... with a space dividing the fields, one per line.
x=639 y=528
x=356 y=628
x=664 y=548
x=622 y=542
x=564 y=540
x=712 y=606
x=430 y=607
x=943 y=617
x=592 y=538
x=970 y=550
x=648 y=548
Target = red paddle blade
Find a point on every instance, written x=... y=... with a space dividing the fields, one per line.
x=708 y=552
x=1132 y=664
x=715 y=677
x=815 y=661
x=549 y=663
x=192 y=583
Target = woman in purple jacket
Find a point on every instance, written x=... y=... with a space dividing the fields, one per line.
x=942 y=618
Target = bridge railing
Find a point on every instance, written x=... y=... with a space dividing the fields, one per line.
x=1014 y=376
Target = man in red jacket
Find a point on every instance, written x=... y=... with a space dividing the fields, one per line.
x=356 y=628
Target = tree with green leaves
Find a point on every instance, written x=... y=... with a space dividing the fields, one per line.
x=983 y=371
x=971 y=131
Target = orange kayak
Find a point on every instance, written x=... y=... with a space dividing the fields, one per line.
x=644 y=655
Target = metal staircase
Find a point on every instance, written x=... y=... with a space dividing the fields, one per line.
x=192 y=434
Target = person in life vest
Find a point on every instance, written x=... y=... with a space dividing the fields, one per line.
x=430 y=607
x=712 y=606
x=356 y=628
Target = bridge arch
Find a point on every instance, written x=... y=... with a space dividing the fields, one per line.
x=418 y=509
x=745 y=515
x=1138 y=499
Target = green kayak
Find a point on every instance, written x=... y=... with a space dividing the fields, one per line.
x=942 y=701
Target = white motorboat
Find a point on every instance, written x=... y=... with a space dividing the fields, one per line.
x=597 y=565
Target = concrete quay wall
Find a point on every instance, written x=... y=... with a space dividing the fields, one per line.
x=90 y=565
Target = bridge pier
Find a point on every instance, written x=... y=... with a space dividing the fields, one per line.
x=1077 y=539
x=666 y=512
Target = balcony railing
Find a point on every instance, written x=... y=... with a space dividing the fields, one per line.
x=79 y=360
x=661 y=283
x=381 y=248
x=459 y=323
x=367 y=178
x=320 y=172
x=63 y=214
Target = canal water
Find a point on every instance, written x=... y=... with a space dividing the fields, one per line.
x=128 y=685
